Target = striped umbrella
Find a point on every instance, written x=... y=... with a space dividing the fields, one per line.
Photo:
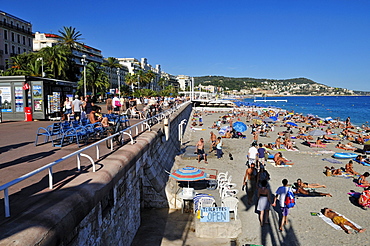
x=188 y=174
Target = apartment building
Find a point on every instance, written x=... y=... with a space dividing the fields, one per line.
x=15 y=37
x=184 y=81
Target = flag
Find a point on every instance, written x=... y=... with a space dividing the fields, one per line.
x=26 y=86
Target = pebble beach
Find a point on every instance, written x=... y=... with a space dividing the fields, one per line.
x=303 y=228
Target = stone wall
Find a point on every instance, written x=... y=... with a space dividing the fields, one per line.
x=103 y=208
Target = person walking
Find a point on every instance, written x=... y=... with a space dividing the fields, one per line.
x=67 y=106
x=264 y=202
x=116 y=104
x=219 y=148
x=281 y=194
x=76 y=108
x=109 y=105
x=200 y=151
x=249 y=182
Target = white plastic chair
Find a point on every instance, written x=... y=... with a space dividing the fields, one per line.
x=231 y=203
x=206 y=202
x=229 y=192
x=221 y=177
x=227 y=185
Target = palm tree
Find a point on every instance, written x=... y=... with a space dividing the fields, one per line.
x=141 y=78
x=111 y=63
x=131 y=80
x=150 y=76
x=162 y=82
x=56 y=61
x=70 y=37
x=96 y=78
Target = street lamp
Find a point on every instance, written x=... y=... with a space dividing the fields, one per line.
x=119 y=82
x=42 y=65
x=83 y=61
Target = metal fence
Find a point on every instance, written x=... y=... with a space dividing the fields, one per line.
x=131 y=131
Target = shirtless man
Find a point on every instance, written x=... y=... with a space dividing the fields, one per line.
x=301 y=190
x=250 y=182
x=362 y=180
x=339 y=220
x=349 y=168
x=213 y=142
x=333 y=170
x=280 y=160
x=200 y=150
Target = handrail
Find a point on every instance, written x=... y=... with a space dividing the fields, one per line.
x=79 y=153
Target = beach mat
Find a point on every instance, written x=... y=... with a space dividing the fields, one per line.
x=274 y=164
x=331 y=223
x=331 y=160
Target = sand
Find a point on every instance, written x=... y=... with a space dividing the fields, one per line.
x=302 y=229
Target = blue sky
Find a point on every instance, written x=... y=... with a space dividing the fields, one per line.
x=327 y=41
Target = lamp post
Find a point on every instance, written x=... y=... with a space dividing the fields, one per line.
x=119 y=82
x=83 y=61
x=42 y=65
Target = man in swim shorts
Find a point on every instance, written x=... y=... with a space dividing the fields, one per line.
x=339 y=220
x=200 y=150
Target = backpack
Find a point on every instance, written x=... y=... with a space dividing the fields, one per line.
x=289 y=199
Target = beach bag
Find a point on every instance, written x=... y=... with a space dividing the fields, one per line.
x=289 y=199
x=117 y=103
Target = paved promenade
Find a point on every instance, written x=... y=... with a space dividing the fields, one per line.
x=19 y=156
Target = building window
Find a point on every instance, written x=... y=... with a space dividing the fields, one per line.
x=12 y=36
x=6 y=63
x=19 y=38
x=29 y=42
x=13 y=49
x=4 y=20
x=24 y=40
x=24 y=50
x=19 y=50
x=11 y=23
x=6 y=48
x=5 y=34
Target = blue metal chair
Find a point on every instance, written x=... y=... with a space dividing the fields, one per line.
x=54 y=130
x=73 y=134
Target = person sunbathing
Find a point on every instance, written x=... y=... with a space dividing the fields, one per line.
x=280 y=160
x=349 y=168
x=307 y=185
x=339 y=220
x=362 y=180
x=345 y=146
x=300 y=190
x=334 y=171
x=361 y=159
x=327 y=137
x=278 y=143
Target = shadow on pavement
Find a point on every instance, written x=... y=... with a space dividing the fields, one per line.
x=13 y=146
x=27 y=158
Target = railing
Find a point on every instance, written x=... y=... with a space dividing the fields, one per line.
x=144 y=125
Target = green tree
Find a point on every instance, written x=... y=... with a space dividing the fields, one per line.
x=96 y=79
x=56 y=61
x=150 y=75
x=70 y=37
x=131 y=80
x=162 y=82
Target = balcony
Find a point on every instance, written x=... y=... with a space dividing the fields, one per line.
x=15 y=28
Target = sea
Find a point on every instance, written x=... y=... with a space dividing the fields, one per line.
x=356 y=107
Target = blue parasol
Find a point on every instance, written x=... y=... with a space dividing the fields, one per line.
x=239 y=126
x=291 y=123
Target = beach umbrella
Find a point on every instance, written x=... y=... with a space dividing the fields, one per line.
x=268 y=120
x=274 y=118
x=317 y=133
x=239 y=126
x=188 y=174
x=291 y=123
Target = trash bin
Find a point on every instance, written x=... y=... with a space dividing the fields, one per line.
x=27 y=114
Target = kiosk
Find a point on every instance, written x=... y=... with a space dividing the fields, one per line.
x=44 y=96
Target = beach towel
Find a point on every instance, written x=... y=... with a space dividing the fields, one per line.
x=272 y=162
x=336 y=227
x=331 y=160
x=354 y=194
x=326 y=152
